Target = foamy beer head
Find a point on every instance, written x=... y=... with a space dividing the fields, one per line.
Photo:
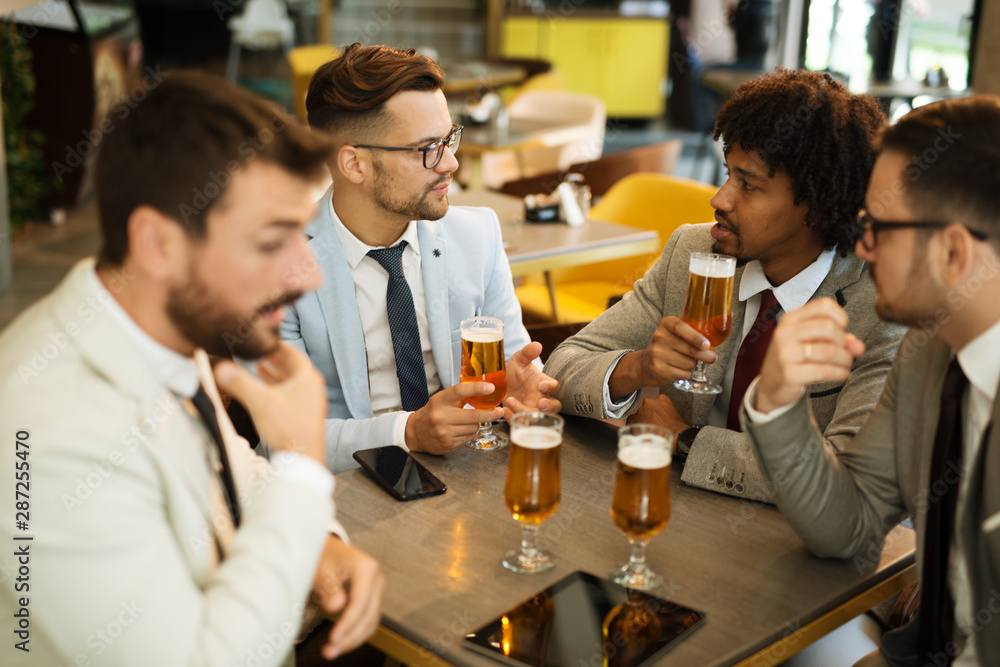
x=483 y=358
x=641 y=504
x=708 y=302
x=532 y=488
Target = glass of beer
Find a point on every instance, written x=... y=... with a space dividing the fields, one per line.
x=483 y=361
x=531 y=491
x=708 y=310
x=641 y=504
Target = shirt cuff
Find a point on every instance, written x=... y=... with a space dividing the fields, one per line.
x=303 y=470
x=616 y=410
x=399 y=430
x=758 y=417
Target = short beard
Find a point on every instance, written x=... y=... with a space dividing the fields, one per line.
x=200 y=319
x=416 y=208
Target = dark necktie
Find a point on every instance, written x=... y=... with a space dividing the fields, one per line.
x=937 y=613
x=751 y=355
x=207 y=411
x=403 y=327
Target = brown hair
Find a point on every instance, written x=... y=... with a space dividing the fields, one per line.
x=179 y=148
x=347 y=95
x=954 y=166
x=811 y=127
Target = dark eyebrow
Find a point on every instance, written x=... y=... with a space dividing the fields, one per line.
x=426 y=141
x=286 y=224
x=747 y=174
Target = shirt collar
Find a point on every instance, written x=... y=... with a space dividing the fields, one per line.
x=980 y=361
x=176 y=371
x=355 y=250
x=794 y=292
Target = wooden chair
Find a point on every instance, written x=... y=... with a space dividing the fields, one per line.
x=499 y=167
x=651 y=201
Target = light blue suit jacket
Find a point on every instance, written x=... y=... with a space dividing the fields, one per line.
x=465 y=273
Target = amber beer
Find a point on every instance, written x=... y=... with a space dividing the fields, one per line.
x=707 y=304
x=531 y=491
x=483 y=360
x=641 y=504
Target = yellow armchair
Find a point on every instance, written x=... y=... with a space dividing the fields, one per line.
x=652 y=201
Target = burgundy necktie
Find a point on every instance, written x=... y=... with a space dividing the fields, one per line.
x=751 y=354
x=937 y=613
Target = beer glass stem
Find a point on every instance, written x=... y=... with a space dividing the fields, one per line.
x=698 y=374
x=529 y=541
x=637 y=560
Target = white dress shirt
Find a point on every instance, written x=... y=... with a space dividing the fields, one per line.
x=370 y=284
x=791 y=294
x=980 y=361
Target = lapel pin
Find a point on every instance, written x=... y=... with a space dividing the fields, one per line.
x=437 y=253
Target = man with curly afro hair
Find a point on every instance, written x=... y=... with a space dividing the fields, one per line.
x=799 y=150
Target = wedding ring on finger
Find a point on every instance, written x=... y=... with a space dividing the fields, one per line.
x=807 y=352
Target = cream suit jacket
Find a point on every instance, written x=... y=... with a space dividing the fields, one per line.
x=125 y=513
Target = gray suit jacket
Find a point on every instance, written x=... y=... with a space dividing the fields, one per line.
x=842 y=503
x=582 y=362
x=122 y=508
x=465 y=272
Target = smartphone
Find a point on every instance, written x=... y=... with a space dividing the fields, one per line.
x=399 y=473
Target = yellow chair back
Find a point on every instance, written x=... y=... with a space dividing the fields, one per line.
x=648 y=200
x=304 y=61
x=651 y=201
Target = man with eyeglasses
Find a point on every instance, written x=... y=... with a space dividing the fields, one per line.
x=403 y=268
x=932 y=224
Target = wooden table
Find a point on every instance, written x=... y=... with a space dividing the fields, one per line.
x=478 y=77
x=518 y=134
x=765 y=596
x=539 y=248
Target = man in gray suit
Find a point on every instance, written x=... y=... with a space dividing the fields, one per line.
x=932 y=224
x=148 y=532
x=389 y=383
x=799 y=148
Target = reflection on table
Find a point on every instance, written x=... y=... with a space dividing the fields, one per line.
x=764 y=595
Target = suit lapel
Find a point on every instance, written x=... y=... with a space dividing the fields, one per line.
x=339 y=306
x=434 y=266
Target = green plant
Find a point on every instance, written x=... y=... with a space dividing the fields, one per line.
x=28 y=178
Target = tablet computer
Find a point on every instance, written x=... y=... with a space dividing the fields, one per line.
x=586 y=620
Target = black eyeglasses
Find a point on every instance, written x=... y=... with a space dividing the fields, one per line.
x=872 y=225
x=433 y=151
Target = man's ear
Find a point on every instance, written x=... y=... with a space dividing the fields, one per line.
x=157 y=243
x=959 y=254
x=351 y=164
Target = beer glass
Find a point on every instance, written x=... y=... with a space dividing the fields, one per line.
x=531 y=491
x=641 y=504
x=483 y=360
x=708 y=310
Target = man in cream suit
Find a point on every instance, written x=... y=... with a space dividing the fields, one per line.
x=932 y=229
x=393 y=165
x=799 y=148
x=147 y=532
